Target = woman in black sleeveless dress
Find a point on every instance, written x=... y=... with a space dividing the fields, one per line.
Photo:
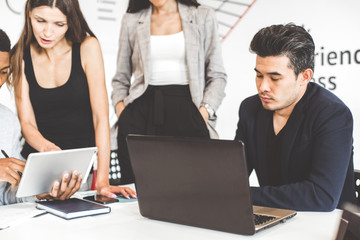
x=59 y=80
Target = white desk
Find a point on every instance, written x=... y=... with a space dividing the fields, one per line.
x=125 y=222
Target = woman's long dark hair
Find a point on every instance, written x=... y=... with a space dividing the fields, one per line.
x=138 y=5
x=76 y=33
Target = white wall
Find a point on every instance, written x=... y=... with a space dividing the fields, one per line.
x=334 y=25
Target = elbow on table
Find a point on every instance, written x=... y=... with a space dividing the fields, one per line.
x=330 y=207
x=327 y=204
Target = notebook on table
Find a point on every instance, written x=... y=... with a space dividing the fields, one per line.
x=73 y=208
x=197 y=182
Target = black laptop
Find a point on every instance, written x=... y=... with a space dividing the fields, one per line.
x=197 y=182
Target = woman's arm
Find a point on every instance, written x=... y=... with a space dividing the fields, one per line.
x=215 y=75
x=27 y=118
x=93 y=65
x=121 y=80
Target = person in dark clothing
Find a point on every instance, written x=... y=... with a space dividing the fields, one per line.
x=59 y=79
x=298 y=136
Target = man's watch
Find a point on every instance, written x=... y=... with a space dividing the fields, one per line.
x=209 y=109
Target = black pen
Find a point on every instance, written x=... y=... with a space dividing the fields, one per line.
x=7 y=156
x=4 y=153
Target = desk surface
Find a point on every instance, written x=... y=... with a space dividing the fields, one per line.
x=125 y=222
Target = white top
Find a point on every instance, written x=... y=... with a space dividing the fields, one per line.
x=10 y=133
x=167 y=58
x=10 y=143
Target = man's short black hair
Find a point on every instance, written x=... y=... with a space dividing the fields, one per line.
x=4 y=42
x=286 y=40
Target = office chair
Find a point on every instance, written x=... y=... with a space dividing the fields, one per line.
x=349 y=223
x=357 y=185
x=114 y=167
x=114 y=170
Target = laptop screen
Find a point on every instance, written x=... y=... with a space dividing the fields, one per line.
x=198 y=182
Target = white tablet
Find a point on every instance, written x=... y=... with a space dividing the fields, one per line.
x=42 y=169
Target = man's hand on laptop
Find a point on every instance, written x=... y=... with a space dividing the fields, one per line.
x=64 y=189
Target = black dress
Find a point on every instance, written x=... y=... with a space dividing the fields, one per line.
x=63 y=114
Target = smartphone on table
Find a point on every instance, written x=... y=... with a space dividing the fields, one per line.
x=101 y=199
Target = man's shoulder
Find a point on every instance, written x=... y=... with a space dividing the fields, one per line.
x=8 y=118
x=321 y=98
x=250 y=106
x=5 y=111
x=252 y=102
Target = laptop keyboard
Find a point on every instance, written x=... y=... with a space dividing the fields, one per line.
x=261 y=219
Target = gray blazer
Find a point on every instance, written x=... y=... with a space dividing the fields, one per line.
x=207 y=77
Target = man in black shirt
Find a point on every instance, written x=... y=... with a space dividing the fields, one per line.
x=298 y=135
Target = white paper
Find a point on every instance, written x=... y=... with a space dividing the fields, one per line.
x=14 y=214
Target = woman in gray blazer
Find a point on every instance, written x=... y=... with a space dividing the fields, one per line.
x=170 y=78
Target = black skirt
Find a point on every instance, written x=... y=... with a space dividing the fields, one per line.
x=162 y=110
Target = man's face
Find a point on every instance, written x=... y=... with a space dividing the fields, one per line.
x=278 y=87
x=4 y=67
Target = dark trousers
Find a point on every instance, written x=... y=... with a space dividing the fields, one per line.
x=161 y=110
